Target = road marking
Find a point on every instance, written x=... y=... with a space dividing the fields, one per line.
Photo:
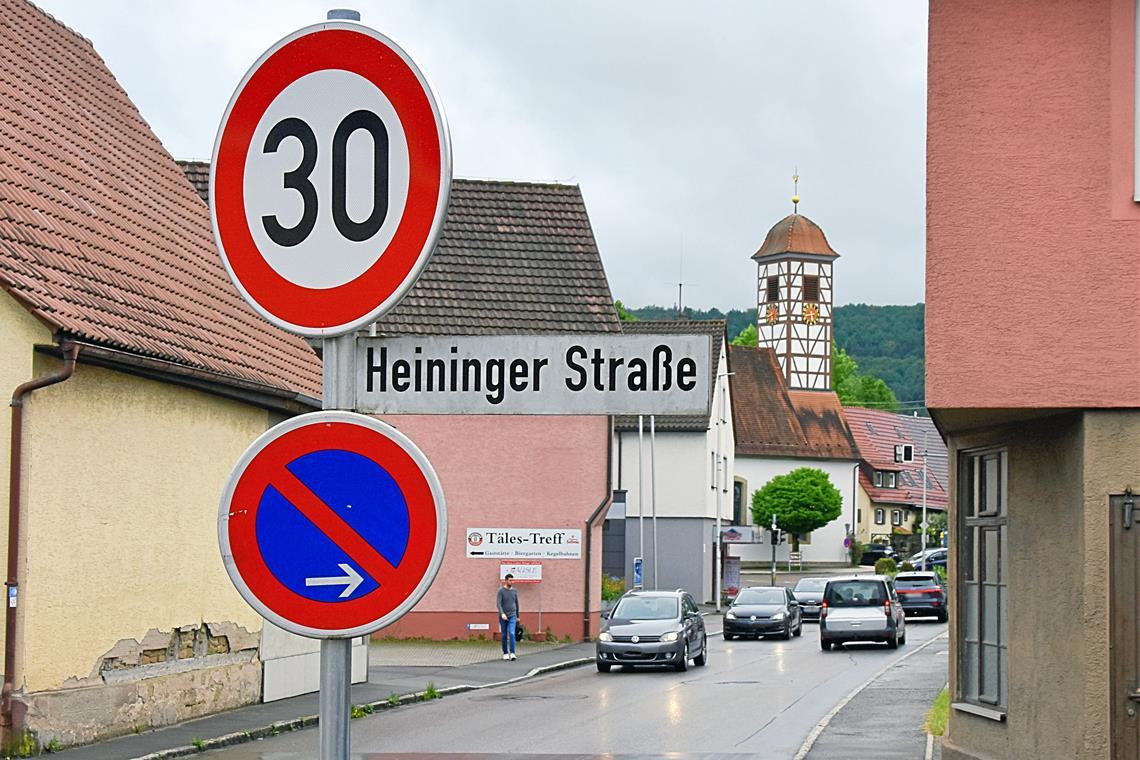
x=809 y=742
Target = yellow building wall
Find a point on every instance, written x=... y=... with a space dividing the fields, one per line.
x=19 y=331
x=122 y=480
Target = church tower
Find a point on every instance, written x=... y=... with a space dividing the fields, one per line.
x=794 y=297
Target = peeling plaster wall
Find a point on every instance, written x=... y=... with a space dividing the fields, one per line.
x=123 y=477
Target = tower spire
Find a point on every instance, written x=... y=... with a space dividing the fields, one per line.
x=796 y=190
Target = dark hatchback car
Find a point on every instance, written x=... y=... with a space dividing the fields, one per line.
x=763 y=611
x=922 y=594
x=872 y=553
x=809 y=593
x=653 y=628
x=932 y=557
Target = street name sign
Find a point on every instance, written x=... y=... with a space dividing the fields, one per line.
x=330 y=179
x=332 y=525
x=534 y=374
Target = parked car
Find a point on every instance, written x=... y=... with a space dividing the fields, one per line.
x=809 y=593
x=922 y=594
x=872 y=553
x=762 y=611
x=861 y=608
x=934 y=558
x=653 y=628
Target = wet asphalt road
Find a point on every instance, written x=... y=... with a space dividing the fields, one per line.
x=754 y=698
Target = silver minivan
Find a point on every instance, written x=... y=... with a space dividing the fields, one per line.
x=861 y=608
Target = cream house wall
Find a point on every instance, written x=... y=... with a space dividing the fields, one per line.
x=123 y=477
x=19 y=331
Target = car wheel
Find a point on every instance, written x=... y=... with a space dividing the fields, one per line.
x=729 y=637
x=902 y=639
x=702 y=658
x=787 y=634
x=683 y=664
x=943 y=616
x=893 y=642
x=799 y=629
x=825 y=645
x=603 y=667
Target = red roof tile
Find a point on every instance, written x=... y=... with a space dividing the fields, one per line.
x=770 y=420
x=877 y=433
x=101 y=236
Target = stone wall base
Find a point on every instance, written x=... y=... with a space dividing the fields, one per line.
x=169 y=695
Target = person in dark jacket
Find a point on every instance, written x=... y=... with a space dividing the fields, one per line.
x=507 y=603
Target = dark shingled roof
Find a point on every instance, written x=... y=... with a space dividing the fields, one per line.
x=198 y=172
x=513 y=257
x=769 y=420
x=101 y=236
x=717 y=329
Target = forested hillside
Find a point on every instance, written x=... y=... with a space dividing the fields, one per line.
x=886 y=341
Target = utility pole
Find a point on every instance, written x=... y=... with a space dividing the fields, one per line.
x=774 y=534
x=924 y=436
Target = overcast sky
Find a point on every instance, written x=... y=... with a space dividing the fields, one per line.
x=682 y=122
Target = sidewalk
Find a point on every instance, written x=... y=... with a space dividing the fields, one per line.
x=459 y=666
x=885 y=720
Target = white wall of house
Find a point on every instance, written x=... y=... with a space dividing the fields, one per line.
x=826 y=542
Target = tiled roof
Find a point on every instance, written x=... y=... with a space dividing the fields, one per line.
x=717 y=329
x=769 y=420
x=101 y=236
x=198 y=172
x=795 y=234
x=877 y=433
x=513 y=257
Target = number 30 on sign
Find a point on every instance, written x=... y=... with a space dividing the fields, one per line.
x=331 y=173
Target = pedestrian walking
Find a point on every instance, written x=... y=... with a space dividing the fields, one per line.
x=507 y=603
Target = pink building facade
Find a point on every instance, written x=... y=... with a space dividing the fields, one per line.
x=1033 y=369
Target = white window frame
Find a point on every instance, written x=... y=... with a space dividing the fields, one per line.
x=880 y=516
x=896 y=517
x=892 y=480
x=878 y=479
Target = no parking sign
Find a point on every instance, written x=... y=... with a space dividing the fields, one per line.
x=332 y=525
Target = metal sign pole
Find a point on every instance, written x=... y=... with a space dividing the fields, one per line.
x=335 y=711
x=653 y=491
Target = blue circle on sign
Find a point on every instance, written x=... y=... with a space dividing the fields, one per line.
x=363 y=495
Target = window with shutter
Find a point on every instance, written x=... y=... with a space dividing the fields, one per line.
x=811 y=289
x=773 y=289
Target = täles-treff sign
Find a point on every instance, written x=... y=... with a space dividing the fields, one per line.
x=534 y=374
x=524 y=543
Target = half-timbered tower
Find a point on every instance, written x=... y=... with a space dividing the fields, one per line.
x=794 y=298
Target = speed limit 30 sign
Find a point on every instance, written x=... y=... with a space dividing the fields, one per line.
x=330 y=179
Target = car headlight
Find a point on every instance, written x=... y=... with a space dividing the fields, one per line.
x=779 y=616
x=730 y=615
x=605 y=636
x=671 y=636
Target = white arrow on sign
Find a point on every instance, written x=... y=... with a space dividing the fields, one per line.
x=350 y=580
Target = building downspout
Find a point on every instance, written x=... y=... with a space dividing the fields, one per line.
x=70 y=352
x=602 y=507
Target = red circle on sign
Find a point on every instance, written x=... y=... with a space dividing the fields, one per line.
x=339 y=309
x=265 y=463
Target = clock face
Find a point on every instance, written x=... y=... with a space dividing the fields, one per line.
x=811 y=313
x=772 y=314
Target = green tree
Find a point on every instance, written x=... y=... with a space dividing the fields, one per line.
x=747 y=337
x=802 y=501
x=624 y=314
x=857 y=389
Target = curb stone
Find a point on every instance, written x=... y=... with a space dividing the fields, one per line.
x=308 y=721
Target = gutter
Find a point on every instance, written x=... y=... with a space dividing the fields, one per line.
x=70 y=352
x=602 y=507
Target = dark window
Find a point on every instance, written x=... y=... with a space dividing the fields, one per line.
x=811 y=289
x=773 y=289
x=738 y=502
x=982 y=587
x=856 y=593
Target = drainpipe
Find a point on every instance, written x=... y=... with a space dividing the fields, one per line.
x=70 y=352
x=602 y=507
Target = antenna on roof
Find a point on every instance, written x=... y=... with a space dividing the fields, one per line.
x=681 y=280
x=795 y=190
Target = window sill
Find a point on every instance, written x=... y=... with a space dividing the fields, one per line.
x=984 y=712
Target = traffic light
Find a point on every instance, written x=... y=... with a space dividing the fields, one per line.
x=777 y=536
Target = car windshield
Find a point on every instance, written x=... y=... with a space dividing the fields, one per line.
x=929 y=554
x=856 y=593
x=646 y=608
x=811 y=584
x=916 y=581
x=761 y=596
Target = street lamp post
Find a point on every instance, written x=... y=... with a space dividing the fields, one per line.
x=924 y=436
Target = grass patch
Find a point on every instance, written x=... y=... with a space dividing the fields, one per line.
x=939 y=713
